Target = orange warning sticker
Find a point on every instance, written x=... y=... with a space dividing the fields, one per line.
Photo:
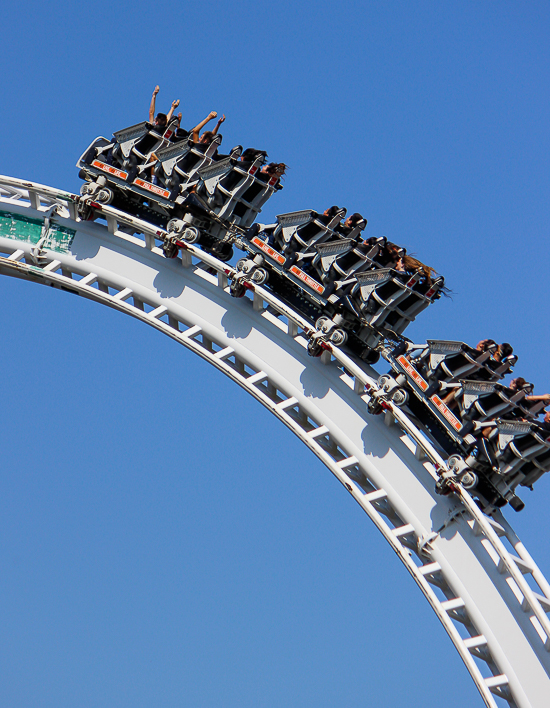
x=304 y=277
x=413 y=373
x=152 y=188
x=271 y=252
x=110 y=169
x=442 y=408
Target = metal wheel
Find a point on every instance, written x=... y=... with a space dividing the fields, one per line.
x=174 y=226
x=469 y=480
x=105 y=195
x=260 y=276
x=338 y=337
x=400 y=397
x=191 y=234
x=455 y=462
x=321 y=322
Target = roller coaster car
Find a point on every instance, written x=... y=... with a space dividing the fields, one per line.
x=474 y=400
x=143 y=169
x=480 y=442
x=168 y=178
x=361 y=308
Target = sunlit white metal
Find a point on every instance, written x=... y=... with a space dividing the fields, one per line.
x=483 y=585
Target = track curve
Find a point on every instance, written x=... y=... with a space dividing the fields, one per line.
x=471 y=569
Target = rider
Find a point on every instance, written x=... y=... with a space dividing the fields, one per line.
x=161 y=120
x=350 y=224
x=208 y=135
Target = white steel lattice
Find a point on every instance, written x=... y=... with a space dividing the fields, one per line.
x=471 y=568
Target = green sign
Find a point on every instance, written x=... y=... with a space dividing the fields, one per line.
x=22 y=228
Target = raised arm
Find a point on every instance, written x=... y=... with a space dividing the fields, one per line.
x=535 y=399
x=175 y=104
x=152 y=106
x=195 y=133
x=220 y=121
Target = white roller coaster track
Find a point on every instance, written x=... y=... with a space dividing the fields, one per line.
x=476 y=574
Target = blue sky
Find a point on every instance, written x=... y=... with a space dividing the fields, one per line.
x=156 y=547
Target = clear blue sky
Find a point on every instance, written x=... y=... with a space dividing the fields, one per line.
x=157 y=548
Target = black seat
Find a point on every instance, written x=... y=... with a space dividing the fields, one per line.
x=301 y=230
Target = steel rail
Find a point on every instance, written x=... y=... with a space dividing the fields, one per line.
x=443 y=567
